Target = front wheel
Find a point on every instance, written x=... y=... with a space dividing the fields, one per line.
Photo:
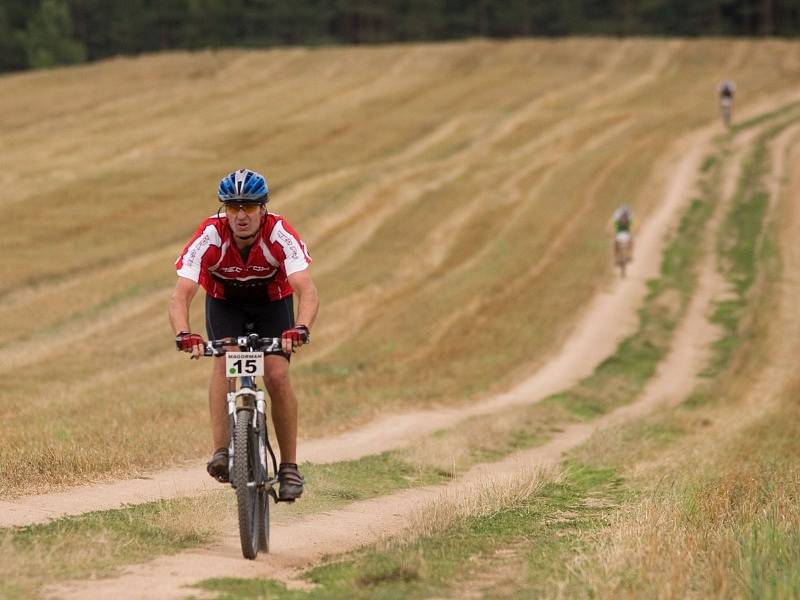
x=248 y=498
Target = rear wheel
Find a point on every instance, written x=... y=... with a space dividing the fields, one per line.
x=622 y=256
x=247 y=494
x=263 y=535
x=726 y=108
x=263 y=492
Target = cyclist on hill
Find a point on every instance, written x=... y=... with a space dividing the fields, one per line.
x=726 y=90
x=623 y=238
x=251 y=263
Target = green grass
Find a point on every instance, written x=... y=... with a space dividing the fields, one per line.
x=743 y=249
x=98 y=543
x=550 y=521
x=764 y=118
x=333 y=485
x=95 y=544
x=770 y=555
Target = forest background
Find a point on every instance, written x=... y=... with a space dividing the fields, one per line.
x=47 y=33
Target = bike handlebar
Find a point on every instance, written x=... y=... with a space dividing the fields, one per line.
x=245 y=343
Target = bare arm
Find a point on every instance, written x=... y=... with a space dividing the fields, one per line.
x=307 y=297
x=182 y=296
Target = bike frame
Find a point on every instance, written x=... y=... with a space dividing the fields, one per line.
x=248 y=471
x=248 y=401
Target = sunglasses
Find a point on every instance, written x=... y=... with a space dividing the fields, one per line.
x=232 y=208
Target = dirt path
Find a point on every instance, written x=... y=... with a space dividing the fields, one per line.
x=305 y=542
x=592 y=340
x=301 y=544
x=609 y=318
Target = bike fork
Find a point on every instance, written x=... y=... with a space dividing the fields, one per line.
x=231 y=427
x=260 y=424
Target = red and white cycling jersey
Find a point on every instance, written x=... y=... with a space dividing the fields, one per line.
x=212 y=259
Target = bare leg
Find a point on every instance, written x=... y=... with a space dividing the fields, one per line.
x=284 y=405
x=217 y=406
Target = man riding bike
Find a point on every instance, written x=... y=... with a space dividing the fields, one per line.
x=251 y=263
x=726 y=90
x=623 y=239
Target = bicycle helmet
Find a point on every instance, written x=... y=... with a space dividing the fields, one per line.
x=623 y=213
x=243 y=185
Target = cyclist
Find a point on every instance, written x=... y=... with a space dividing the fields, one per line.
x=623 y=223
x=726 y=90
x=251 y=263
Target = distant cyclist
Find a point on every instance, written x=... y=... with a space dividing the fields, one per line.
x=251 y=264
x=623 y=237
x=726 y=90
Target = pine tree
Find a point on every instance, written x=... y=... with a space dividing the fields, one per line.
x=48 y=38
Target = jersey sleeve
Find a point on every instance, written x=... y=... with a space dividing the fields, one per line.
x=201 y=250
x=295 y=253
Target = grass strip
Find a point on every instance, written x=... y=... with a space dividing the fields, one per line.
x=550 y=519
x=763 y=118
x=743 y=247
x=98 y=542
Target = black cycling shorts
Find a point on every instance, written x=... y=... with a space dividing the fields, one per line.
x=225 y=318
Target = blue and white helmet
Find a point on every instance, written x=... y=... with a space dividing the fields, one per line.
x=243 y=185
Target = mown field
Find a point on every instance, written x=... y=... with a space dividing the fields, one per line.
x=454 y=197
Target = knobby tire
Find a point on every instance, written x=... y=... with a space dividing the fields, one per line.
x=247 y=497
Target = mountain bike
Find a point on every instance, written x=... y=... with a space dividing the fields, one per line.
x=622 y=252
x=726 y=109
x=251 y=475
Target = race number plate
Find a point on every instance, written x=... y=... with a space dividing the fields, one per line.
x=238 y=364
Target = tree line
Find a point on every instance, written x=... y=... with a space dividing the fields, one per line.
x=45 y=33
